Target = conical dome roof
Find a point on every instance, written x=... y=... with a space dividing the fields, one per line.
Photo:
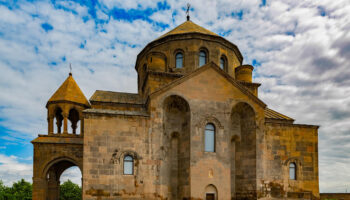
x=69 y=91
x=188 y=27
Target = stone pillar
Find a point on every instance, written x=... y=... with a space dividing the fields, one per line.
x=53 y=186
x=65 y=123
x=233 y=169
x=53 y=190
x=82 y=127
x=50 y=125
x=39 y=188
x=74 y=127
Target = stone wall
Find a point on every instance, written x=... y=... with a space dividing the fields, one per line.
x=335 y=196
x=108 y=139
x=212 y=99
x=286 y=143
x=53 y=155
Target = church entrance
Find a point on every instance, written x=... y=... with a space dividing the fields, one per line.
x=210 y=197
x=53 y=177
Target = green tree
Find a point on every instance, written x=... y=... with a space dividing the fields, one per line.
x=20 y=190
x=70 y=191
x=2 y=190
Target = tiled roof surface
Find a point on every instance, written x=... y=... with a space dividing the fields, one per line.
x=69 y=91
x=116 y=97
x=188 y=27
x=271 y=114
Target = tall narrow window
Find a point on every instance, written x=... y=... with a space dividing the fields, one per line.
x=222 y=63
x=202 y=58
x=179 y=60
x=128 y=165
x=292 y=171
x=209 y=138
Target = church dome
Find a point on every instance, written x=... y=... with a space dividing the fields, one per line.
x=188 y=27
x=183 y=50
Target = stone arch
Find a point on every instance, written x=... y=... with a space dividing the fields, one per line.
x=176 y=124
x=210 y=119
x=177 y=51
x=74 y=118
x=243 y=151
x=132 y=153
x=52 y=173
x=299 y=167
x=207 y=53
x=58 y=119
x=224 y=58
x=210 y=192
x=59 y=160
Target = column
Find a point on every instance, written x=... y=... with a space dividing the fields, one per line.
x=53 y=186
x=82 y=127
x=65 y=123
x=39 y=188
x=50 y=125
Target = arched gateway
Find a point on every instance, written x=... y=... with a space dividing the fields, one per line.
x=59 y=150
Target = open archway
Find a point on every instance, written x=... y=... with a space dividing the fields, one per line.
x=58 y=120
x=53 y=174
x=74 y=121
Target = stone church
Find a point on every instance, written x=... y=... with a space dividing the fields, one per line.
x=195 y=130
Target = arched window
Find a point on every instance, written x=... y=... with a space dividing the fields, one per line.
x=179 y=60
x=58 y=120
x=209 y=138
x=222 y=63
x=292 y=171
x=202 y=58
x=128 y=165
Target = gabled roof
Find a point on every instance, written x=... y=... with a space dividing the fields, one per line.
x=188 y=27
x=116 y=97
x=271 y=114
x=220 y=71
x=69 y=91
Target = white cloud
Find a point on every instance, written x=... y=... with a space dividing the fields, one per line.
x=12 y=170
x=73 y=174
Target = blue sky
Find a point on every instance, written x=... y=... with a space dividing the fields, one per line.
x=300 y=50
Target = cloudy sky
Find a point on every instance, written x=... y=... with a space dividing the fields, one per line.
x=300 y=51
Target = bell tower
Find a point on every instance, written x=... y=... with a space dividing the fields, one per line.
x=62 y=147
x=66 y=105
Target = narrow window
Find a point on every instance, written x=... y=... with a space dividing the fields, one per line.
x=222 y=63
x=202 y=58
x=179 y=60
x=128 y=165
x=209 y=138
x=292 y=171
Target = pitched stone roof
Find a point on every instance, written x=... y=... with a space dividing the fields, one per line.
x=69 y=91
x=188 y=27
x=214 y=66
x=271 y=114
x=141 y=113
x=116 y=97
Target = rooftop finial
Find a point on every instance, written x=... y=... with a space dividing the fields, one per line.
x=70 y=69
x=188 y=11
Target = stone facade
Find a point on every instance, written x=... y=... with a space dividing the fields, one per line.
x=258 y=153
